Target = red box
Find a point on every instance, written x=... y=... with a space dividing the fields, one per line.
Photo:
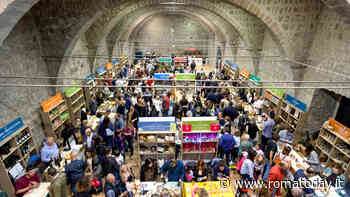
x=214 y=127
x=186 y=128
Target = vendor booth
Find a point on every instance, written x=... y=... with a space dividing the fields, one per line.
x=232 y=70
x=185 y=80
x=199 y=137
x=17 y=146
x=75 y=102
x=293 y=113
x=90 y=90
x=180 y=63
x=156 y=138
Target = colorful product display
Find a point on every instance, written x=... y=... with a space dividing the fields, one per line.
x=212 y=188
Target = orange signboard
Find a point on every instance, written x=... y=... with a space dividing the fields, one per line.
x=51 y=102
x=109 y=66
x=339 y=128
x=245 y=73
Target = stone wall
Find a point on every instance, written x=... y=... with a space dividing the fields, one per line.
x=329 y=53
x=323 y=106
x=77 y=65
x=21 y=55
x=172 y=34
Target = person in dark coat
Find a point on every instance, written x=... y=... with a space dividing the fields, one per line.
x=226 y=144
x=75 y=170
x=175 y=170
x=230 y=111
x=83 y=187
x=110 y=164
x=221 y=172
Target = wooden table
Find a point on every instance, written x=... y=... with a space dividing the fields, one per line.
x=41 y=191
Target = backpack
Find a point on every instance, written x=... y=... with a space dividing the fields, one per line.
x=239 y=165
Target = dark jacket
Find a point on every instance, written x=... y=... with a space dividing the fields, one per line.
x=75 y=170
x=110 y=165
x=112 y=188
x=227 y=142
x=174 y=174
x=230 y=111
x=197 y=176
x=218 y=173
x=299 y=174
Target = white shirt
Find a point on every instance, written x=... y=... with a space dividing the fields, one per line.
x=237 y=140
x=157 y=104
x=258 y=104
x=133 y=100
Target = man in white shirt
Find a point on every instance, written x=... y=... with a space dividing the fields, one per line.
x=258 y=105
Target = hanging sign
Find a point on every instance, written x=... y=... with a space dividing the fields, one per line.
x=180 y=60
x=164 y=59
x=255 y=78
x=109 y=66
x=115 y=61
x=51 y=102
x=278 y=92
x=101 y=70
x=245 y=73
x=300 y=105
x=228 y=62
x=339 y=128
x=234 y=67
x=156 y=124
x=70 y=91
x=185 y=76
x=162 y=75
x=89 y=78
x=10 y=128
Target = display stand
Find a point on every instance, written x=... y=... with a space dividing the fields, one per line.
x=254 y=82
x=75 y=102
x=232 y=70
x=156 y=138
x=199 y=137
x=181 y=80
x=89 y=91
x=54 y=113
x=180 y=63
x=162 y=76
x=16 y=138
x=334 y=142
x=293 y=113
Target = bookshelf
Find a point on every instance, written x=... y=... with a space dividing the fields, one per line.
x=75 y=102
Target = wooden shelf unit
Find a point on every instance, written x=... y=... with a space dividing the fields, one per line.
x=335 y=146
x=291 y=115
x=54 y=118
x=22 y=147
x=75 y=102
x=273 y=100
x=89 y=92
x=147 y=144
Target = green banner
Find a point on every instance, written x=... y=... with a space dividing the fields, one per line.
x=185 y=76
x=200 y=125
x=70 y=91
x=277 y=92
x=255 y=79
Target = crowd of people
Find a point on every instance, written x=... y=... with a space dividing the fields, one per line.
x=256 y=155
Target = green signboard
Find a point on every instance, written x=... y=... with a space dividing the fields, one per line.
x=255 y=78
x=185 y=76
x=277 y=92
x=200 y=125
x=70 y=91
x=164 y=59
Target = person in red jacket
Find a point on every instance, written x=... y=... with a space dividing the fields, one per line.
x=276 y=176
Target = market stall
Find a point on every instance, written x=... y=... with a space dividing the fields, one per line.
x=89 y=91
x=156 y=138
x=16 y=145
x=254 y=83
x=180 y=63
x=199 y=137
x=293 y=113
x=75 y=102
x=273 y=98
x=185 y=80
x=231 y=69
x=162 y=81
x=54 y=113
x=147 y=189
x=334 y=142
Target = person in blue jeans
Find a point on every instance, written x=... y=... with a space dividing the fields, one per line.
x=75 y=170
x=270 y=151
x=226 y=144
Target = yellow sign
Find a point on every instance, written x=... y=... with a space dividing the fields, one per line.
x=212 y=188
